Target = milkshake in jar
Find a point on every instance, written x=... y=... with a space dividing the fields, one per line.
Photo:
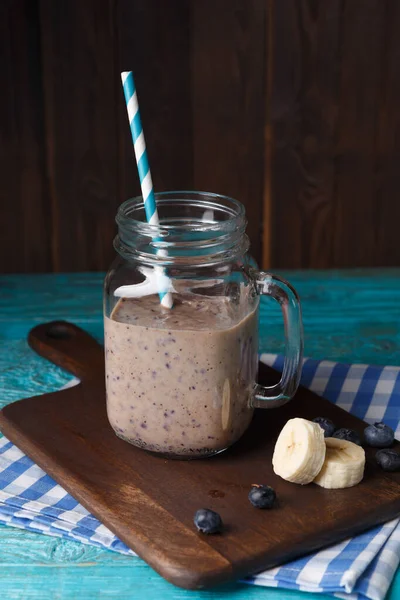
x=181 y=381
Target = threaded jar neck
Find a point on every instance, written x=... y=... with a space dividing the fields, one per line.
x=195 y=228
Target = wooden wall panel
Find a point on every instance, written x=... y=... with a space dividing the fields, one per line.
x=387 y=183
x=154 y=42
x=361 y=77
x=228 y=68
x=333 y=119
x=303 y=115
x=24 y=223
x=78 y=49
x=291 y=107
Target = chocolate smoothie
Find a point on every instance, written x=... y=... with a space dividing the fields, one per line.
x=179 y=381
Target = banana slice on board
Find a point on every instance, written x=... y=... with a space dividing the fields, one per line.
x=299 y=451
x=344 y=465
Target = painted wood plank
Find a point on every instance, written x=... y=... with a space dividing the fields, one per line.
x=349 y=316
x=39 y=567
x=43 y=568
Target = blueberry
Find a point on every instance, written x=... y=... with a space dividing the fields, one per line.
x=347 y=434
x=389 y=460
x=379 y=435
x=262 y=496
x=207 y=521
x=326 y=425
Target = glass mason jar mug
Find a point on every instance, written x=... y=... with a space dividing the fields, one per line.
x=181 y=381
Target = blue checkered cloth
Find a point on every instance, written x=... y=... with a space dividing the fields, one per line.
x=358 y=568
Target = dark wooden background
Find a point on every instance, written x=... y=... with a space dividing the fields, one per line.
x=292 y=107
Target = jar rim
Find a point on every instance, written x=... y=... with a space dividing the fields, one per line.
x=233 y=209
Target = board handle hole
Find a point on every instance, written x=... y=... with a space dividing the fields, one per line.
x=59 y=332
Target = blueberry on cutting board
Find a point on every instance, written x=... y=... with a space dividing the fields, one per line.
x=388 y=460
x=379 y=435
x=262 y=496
x=347 y=434
x=326 y=425
x=207 y=521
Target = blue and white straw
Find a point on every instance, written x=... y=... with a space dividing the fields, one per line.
x=146 y=183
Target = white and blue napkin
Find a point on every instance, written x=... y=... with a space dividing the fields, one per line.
x=358 y=568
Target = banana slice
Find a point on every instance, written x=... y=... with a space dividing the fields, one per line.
x=344 y=465
x=299 y=451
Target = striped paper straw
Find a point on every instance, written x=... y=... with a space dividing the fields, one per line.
x=142 y=162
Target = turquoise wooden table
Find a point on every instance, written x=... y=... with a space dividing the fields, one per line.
x=351 y=316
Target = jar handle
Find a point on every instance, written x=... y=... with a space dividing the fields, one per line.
x=280 y=393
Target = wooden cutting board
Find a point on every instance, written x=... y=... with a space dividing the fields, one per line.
x=149 y=502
